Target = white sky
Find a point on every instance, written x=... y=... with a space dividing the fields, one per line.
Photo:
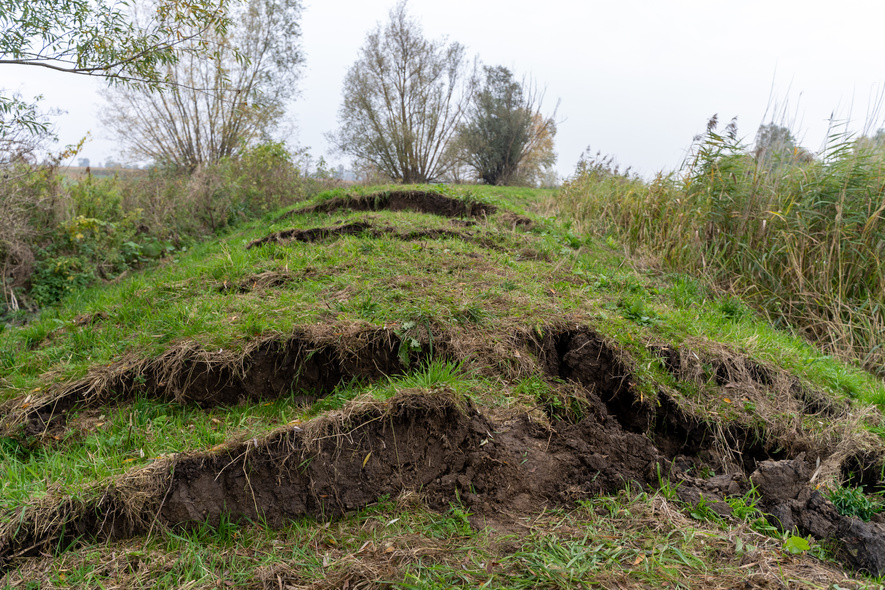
x=637 y=78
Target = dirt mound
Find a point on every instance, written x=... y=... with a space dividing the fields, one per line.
x=441 y=446
x=437 y=445
x=420 y=201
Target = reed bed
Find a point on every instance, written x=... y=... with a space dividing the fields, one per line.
x=799 y=235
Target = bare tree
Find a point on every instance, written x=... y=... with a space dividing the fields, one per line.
x=211 y=109
x=403 y=101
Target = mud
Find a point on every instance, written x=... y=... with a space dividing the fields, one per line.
x=419 y=201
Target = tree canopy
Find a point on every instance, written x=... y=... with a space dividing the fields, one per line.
x=101 y=38
x=505 y=138
x=214 y=108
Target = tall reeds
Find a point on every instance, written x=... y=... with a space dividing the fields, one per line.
x=802 y=237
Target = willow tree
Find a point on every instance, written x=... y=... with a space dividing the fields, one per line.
x=100 y=38
x=505 y=138
x=213 y=108
x=403 y=101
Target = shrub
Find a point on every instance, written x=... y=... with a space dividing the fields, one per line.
x=57 y=237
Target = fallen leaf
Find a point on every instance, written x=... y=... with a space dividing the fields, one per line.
x=366 y=460
x=726 y=400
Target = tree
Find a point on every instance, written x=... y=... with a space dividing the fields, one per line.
x=212 y=109
x=775 y=145
x=538 y=157
x=402 y=101
x=100 y=38
x=506 y=139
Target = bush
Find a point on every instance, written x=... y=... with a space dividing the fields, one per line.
x=59 y=235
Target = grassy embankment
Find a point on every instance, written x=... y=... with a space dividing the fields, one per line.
x=386 y=319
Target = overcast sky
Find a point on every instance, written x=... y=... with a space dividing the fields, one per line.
x=637 y=79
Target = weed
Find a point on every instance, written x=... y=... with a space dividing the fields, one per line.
x=854 y=502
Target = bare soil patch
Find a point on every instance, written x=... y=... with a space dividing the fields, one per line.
x=323 y=233
x=419 y=201
x=310 y=363
x=310 y=235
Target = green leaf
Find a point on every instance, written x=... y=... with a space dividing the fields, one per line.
x=796 y=545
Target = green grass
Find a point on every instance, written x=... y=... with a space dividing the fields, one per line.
x=631 y=541
x=463 y=311
x=99 y=446
x=387 y=281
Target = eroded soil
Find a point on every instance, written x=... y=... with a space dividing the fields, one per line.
x=406 y=200
x=446 y=449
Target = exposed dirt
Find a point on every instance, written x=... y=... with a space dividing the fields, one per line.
x=311 y=235
x=335 y=231
x=581 y=356
x=420 y=201
x=444 y=448
x=436 y=445
x=735 y=371
x=310 y=365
